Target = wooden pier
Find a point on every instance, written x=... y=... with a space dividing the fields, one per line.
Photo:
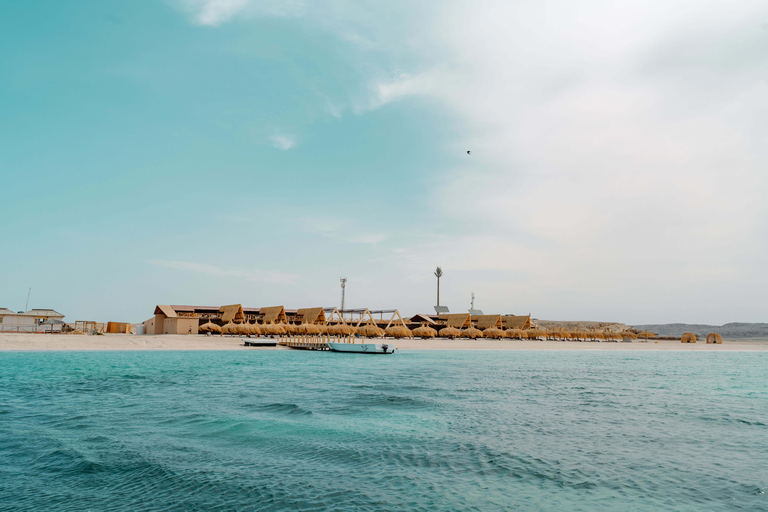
x=311 y=342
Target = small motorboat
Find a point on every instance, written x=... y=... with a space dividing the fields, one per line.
x=362 y=348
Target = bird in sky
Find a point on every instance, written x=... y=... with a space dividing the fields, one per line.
x=469 y=152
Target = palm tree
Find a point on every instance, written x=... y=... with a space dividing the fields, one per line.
x=438 y=275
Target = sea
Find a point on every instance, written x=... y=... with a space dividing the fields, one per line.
x=282 y=430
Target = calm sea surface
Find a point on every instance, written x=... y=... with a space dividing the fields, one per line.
x=423 y=430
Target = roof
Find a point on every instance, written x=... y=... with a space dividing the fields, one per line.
x=311 y=315
x=485 y=321
x=516 y=322
x=232 y=312
x=44 y=312
x=272 y=313
x=165 y=310
x=422 y=318
x=458 y=320
x=6 y=311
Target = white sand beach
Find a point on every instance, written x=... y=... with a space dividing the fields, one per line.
x=31 y=342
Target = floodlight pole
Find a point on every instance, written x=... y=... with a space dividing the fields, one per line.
x=343 y=289
x=438 y=275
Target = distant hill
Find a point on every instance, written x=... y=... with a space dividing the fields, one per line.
x=732 y=330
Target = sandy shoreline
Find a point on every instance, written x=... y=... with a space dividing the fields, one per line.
x=34 y=342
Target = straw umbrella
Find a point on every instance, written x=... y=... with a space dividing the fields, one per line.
x=370 y=331
x=515 y=334
x=688 y=337
x=471 y=333
x=644 y=335
x=493 y=332
x=424 y=332
x=450 y=332
x=398 y=331
x=229 y=328
x=628 y=335
x=206 y=327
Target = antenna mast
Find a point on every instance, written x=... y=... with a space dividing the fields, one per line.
x=26 y=308
x=472 y=304
x=343 y=289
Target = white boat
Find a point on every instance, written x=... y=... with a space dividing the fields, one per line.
x=362 y=348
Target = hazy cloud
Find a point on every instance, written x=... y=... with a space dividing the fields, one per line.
x=282 y=142
x=236 y=272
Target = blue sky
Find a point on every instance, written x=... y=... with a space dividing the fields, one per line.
x=225 y=151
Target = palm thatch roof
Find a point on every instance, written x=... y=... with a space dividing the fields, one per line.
x=424 y=332
x=536 y=333
x=516 y=322
x=311 y=315
x=646 y=334
x=458 y=320
x=493 y=332
x=272 y=314
x=484 y=322
x=713 y=337
x=472 y=333
x=628 y=335
x=450 y=332
x=688 y=337
x=398 y=331
x=232 y=313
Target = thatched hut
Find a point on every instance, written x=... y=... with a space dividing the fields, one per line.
x=688 y=337
x=232 y=313
x=483 y=322
x=471 y=333
x=398 y=331
x=424 y=332
x=516 y=322
x=494 y=333
x=450 y=332
x=713 y=337
x=457 y=320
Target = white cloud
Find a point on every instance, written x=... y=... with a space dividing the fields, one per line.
x=617 y=148
x=234 y=272
x=283 y=142
x=215 y=12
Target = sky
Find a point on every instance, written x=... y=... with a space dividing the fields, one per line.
x=214 y=152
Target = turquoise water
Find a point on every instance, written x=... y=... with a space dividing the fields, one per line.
x=422 y=430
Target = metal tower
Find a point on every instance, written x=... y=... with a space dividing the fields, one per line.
x=343 y=289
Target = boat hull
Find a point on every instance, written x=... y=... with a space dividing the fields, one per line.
x=363 y=348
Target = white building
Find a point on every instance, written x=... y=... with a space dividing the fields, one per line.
x=34 y=320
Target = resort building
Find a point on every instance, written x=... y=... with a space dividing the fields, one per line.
x=34 y=320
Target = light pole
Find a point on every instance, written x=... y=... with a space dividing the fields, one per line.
x=438 y=275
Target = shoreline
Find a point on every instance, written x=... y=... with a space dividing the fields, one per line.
x=21 y=342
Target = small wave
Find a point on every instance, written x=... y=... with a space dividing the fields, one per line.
x=285 y=409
